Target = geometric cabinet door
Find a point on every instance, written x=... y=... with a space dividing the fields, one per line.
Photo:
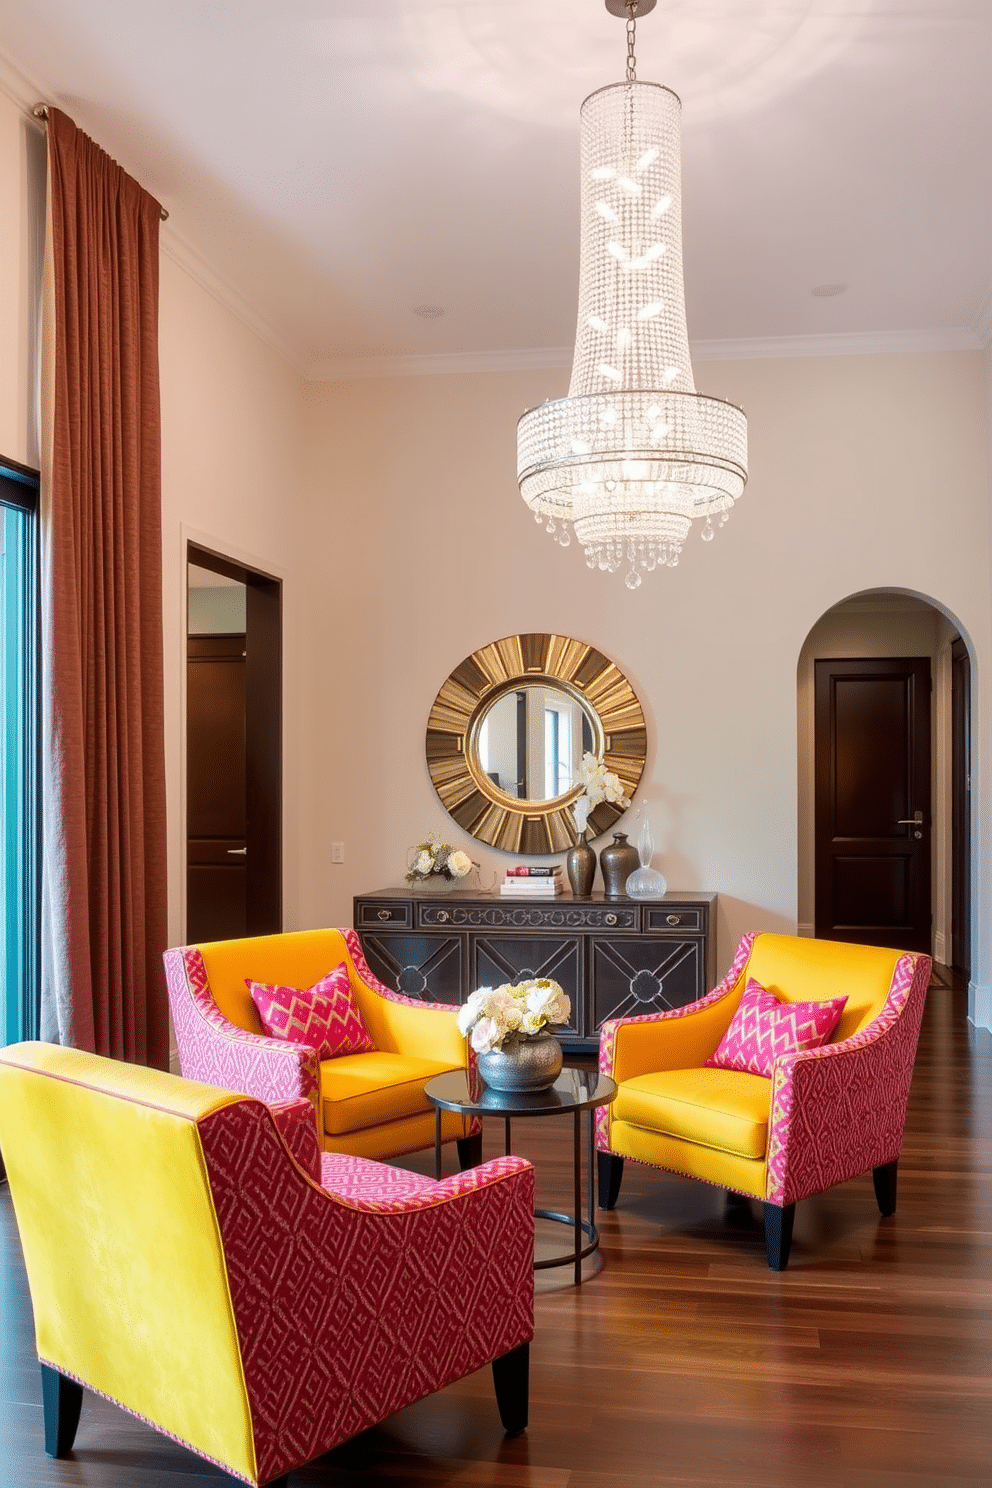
x=629 y=977
x=428 y=968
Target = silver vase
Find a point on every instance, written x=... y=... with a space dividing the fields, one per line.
x=531 y=1064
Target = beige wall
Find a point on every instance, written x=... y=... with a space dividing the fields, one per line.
x=22 y=208
x=231 y=477
x=391 y=512
x=866 y=472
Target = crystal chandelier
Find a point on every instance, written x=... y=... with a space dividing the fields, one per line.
x=634 y=454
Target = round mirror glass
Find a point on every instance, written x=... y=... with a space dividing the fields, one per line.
x=530 y=740
x=507 y=732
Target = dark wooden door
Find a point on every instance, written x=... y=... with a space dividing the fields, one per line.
x=216 y=800
x=872 y=769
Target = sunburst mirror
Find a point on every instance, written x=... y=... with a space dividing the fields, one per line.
x=508 y=729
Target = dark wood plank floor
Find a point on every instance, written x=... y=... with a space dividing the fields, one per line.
x=682 y=1360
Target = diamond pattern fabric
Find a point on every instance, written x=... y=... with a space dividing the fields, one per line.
x=764 y=1027
x=324 y=1016
x=348 y=1310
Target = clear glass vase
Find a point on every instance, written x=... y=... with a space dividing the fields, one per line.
x=645 y=882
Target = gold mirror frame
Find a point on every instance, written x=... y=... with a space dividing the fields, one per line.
x=467 y=793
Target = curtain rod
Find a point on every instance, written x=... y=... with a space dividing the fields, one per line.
x=40 y=111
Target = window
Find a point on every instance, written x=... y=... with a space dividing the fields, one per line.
x=19 y=797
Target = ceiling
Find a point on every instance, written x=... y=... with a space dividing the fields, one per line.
x=333 y=167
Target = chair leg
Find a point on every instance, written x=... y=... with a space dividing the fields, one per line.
x=610 y=1172
x=469 y=1151
x=62 y=1399
x=511 y=1377
x=779 y=1220
x=885 y=1179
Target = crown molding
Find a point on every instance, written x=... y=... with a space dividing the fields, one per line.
x=869 y=343
x=20 y=89
x=220 y=289
x=538 y=359
x=759 y=348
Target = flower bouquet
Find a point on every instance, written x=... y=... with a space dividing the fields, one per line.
x=511 y=1029
x=598 y=785
x=433 y=862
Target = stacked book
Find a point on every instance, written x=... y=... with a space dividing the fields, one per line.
x=525 y=882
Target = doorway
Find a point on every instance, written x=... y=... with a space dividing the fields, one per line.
x=233 y=750
x=888 y=625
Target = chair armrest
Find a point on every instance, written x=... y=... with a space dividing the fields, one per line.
x=216 y=1051
x=448 y=1189
x=296 y=1122
x=683 y=1038
x=840 y=1110
x=425 y=1030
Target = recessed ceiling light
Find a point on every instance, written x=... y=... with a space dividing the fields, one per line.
x=428 y=312
x=827 y=291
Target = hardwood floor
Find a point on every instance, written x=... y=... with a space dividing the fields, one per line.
x=683 y=1360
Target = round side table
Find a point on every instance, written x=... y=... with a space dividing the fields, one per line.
x=574 y=1091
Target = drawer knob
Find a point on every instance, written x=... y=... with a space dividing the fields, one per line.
x=442 y=916
x=674 y=919
x=610 y=919
x=385 y=914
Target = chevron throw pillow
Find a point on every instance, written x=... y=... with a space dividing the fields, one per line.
x=325 y=1016
x=764 y=1027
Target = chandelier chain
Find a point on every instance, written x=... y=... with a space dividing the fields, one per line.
x=631 y=39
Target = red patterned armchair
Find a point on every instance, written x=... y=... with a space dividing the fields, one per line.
x=368 y=1104
x=193 y=1257
x=823 y=1115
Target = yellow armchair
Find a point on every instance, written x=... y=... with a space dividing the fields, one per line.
x=368 y=1105
x=192 y=1257
x=824 y=1116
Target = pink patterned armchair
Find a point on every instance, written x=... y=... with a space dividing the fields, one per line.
x=823 y=1115
x=193 y=1257
x=369 y=1104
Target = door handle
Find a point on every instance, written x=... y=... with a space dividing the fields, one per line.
x=237 y=852
x=911 y=821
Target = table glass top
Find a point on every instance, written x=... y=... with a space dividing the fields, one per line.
x=574 y=1090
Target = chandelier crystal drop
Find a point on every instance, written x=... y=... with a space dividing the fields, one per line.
x=633 y=455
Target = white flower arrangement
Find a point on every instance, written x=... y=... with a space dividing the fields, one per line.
x=500 y=1017
x=598 y=785
x=437 y=859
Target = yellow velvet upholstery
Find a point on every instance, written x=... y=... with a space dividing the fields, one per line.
x=716 y=1108
x=370 y=1105
x=360 y=1090
x=101 y=1235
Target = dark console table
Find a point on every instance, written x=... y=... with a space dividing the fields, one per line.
x=613 y=957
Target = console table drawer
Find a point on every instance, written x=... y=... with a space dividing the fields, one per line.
x=397 y=916
x=559 y=915
x=671 y=921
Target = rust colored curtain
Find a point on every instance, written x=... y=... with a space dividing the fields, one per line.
x=103 y=768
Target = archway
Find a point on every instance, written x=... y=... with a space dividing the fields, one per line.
x=887 y=623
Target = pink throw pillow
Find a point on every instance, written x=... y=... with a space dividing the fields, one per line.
x=325 y=1016
x=764 y=1027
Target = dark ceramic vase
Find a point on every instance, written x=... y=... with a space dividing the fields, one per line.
x=580 y=865
x=618 y=862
